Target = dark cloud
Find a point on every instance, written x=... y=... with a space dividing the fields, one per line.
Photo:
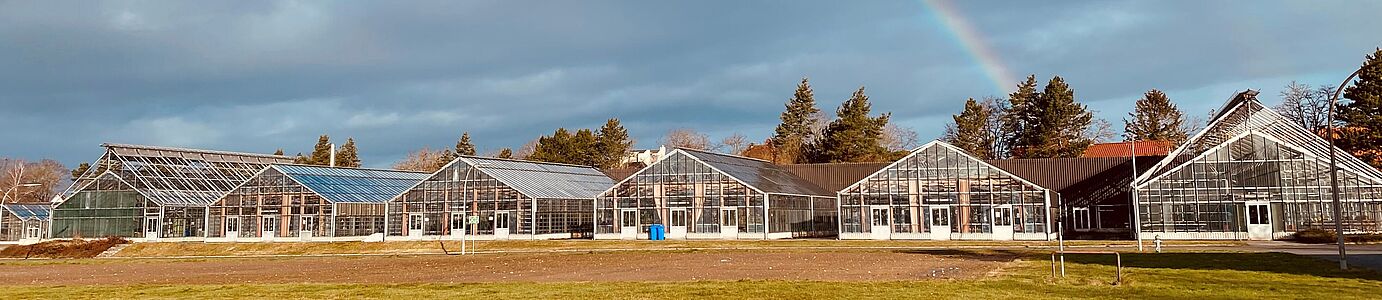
x=256 y=76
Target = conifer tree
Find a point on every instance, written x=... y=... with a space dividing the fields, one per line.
x=791 y=138
x=278 y=152
x=80 y=170
x=612 y=143
x=584 y=149
x=854 y=136
x=1362 y=116
x=1155 y=119
x=1019 y=116
x=348 y=156
x=505 y=153
x=1058 y=125
x=971 y=131
x=552 y=148
x=302 y=159
x=321 y=153
x=464 y=146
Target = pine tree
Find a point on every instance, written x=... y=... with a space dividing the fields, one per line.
x=505 y=153
x=854 y=136
x=348 y=156
x=278 y=152
x=1155 y=119
x=612 y=144
x=321 y=153
x=971 y=130
x=552 y=148
x=792 y=136
x=1017 y=120
x=1362 y=116
x=80 y=170
x=464 y=147
x=583 y=149
x=1058 y=125
x=302 y=159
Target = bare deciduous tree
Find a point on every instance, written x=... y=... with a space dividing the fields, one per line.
x=687 y=138
x=1305 y=106
x=899 y=138
x=50 y=175
x=423 y=160
x=1101 y=131
x=736 y=143
x=526 y=150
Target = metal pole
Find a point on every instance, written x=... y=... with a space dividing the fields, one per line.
x=1334 y=174
x=1136 y=208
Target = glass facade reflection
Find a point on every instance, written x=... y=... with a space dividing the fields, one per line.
x=940 y=192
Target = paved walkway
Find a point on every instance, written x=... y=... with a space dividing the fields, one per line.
x=1366 y=256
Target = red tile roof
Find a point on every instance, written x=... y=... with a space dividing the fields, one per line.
x=1124 y=149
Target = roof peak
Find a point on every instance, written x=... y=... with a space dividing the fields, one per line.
x=191 y=150
x=347 y=168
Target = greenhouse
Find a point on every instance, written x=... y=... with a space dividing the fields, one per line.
x=298 y=202
x=703 y=195
x=24 y=221
x=151 y=192
x=1252 y=174
x=939 y=192
x=491 y=198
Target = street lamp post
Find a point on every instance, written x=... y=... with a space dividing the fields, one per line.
x=6 y=197
x=1334 y=173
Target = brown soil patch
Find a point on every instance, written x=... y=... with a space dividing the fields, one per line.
x=62 y=248
x=569 y=267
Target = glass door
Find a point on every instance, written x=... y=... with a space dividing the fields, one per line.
x=501 y=224
x=677 y=230
x=457 y=227
x=879 y=227
x=1003 y=222
x=940 y=222
x=415 y=225
x=628 y=224
x=151 y=227
x=1259 y=219
x=232 y=227
x=309 y=224
x=269 y=227
x=729 y=223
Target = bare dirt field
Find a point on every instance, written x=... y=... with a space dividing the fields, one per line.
x=567 y=267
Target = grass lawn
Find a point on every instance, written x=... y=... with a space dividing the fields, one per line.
x=1169 y=275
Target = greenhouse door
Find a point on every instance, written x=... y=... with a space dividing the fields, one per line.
x=501 y=225
x=309 y=223
x=232 y=227
x=415 y=222
x=940 y=222
x=1259 y=221
x=1003 y=223
x=729 y=223
x=269 y=227
x=879 y=229
x=33 y=230
x=678 y=228
x=628 y=224
x=151 y=227
x=458 y=225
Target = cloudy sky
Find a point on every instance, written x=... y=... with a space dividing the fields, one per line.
x=400 y=75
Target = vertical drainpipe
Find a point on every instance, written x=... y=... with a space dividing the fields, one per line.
x=1046 y=194
x=385 y=236
x=532 y=219
x=206 y=224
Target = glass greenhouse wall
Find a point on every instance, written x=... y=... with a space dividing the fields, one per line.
x=303 y=202
x=21 y=221
x=1254 y=175
x=702 y=195
x=508 y=199
x=151 y=192
x=940 y=193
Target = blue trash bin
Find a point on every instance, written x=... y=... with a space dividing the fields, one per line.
x=656 y=232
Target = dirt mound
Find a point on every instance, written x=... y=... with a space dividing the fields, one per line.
x=76 y=248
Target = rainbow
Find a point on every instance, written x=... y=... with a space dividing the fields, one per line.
x=973 y=43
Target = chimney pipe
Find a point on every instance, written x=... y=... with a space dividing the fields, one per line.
x=333 y=155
